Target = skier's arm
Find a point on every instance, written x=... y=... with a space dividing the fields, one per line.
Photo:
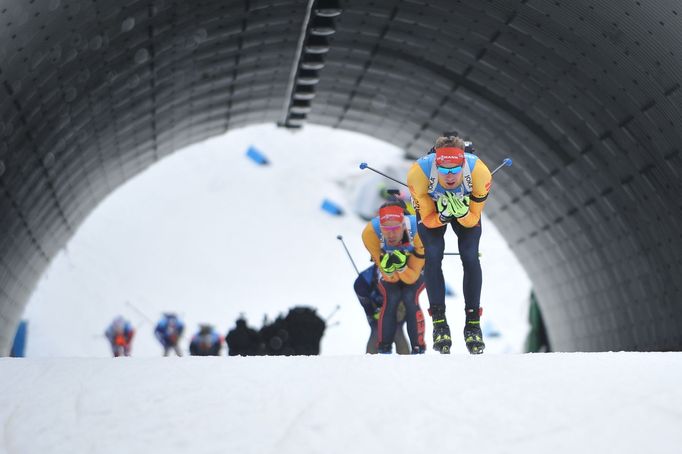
x=130 y=335
x=418 y=183
x=481 y=178
x=371 y=241
x=415 y=263
x=411 y=272
x=216 y=347
x=158 y=332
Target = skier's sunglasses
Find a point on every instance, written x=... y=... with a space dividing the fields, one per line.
x=391 y=227
x=446 y=170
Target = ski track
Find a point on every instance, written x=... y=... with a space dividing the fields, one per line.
x=6 y=429
x=289 y=432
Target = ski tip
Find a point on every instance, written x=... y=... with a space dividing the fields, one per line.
x=363 y=165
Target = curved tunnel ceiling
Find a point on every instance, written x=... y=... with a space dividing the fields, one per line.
x=584 y=95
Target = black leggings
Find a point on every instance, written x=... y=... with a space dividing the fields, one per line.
x=393 y=294
x=467 y=241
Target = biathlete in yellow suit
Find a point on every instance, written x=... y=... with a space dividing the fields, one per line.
x=393 y=242
x=449 y=187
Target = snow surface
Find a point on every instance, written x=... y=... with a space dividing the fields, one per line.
x=513 y=403
x=209 y=234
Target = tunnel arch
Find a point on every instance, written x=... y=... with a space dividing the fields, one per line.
x=584 y=95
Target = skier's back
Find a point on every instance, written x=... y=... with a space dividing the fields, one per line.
x=168 y=332
x=120 y=335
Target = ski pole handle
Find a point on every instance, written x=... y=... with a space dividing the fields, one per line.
x=363 y=166
x=340 y=238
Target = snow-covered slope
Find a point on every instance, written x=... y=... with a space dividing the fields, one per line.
x=537 y=403
x=209 y=234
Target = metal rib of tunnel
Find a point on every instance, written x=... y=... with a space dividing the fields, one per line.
x=584 y=95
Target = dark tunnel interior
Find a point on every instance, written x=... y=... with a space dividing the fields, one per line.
x=586 y=97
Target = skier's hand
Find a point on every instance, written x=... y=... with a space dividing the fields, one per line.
x=443 y=211
x=393 y=261
x=457 y=207
x=453 y=206
x=386 y=264
x=399 y=260
x=373 y=313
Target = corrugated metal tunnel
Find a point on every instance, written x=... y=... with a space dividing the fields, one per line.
x=586 y=97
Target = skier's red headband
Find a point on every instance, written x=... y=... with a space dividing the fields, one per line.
x=449 y=156
x=391 y=213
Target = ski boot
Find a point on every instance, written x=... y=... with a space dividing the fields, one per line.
x=384 y=349
x=441 y=331
x=418 y=350
x=473 y=337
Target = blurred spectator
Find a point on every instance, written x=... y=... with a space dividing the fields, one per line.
x=306 y=329
x=120 y=335
x=299 y=333
x=275 y=337
x=168 y=332
x=243 y=340
x=206 y=342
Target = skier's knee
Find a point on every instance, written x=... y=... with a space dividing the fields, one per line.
x=433 y=256
x=469 y=259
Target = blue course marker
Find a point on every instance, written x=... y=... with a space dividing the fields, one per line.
x=19 y=345
x=257 y=156
x=331 y=208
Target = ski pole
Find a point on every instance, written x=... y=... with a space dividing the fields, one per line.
x=457 y=253
x=340 y=238
x=336 y=309
x=139 y=312
x=506 y=163
x=363 y=166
